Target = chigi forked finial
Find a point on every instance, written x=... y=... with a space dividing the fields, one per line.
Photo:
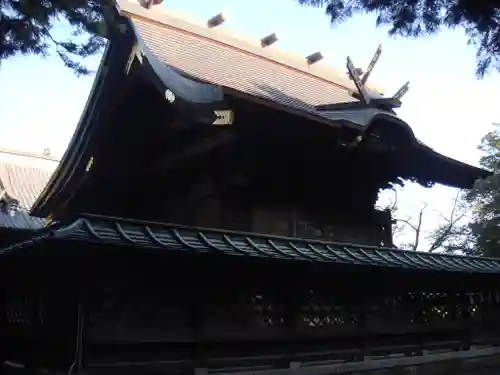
x=363 y=95
x=359 y=78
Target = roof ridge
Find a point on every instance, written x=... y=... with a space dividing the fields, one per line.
x=293 y=61
x=34 y=155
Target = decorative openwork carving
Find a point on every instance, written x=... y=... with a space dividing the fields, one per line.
x=249 y=312
x=170 y=293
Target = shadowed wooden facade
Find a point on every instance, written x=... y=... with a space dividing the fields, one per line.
x=142 y=297
x=159 y=141
x=298 y=267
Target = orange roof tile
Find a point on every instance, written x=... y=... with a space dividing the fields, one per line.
x=217 y=57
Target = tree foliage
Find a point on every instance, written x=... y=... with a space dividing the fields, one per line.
x=453 y=233
x=484 y=199
x=27 y=27
x=481 y=235
x=414 y=18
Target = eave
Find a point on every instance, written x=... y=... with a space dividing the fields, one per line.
x=436 y=167
x=176 y=239
x=433 y=166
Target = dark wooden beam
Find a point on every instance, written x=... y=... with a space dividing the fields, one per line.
x=196 y=150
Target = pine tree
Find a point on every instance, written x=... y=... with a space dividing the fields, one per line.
x=26 y=27
x=413 y=18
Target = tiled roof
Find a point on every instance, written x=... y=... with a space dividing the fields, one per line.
x=21 y=220
x=23 y=183
x=215 y=57
x=174 y=238
x=24 y=175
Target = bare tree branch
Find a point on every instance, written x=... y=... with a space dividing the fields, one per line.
x=443 y=233
x=441 y=236
x=417 y=228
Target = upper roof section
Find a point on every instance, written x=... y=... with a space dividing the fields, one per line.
x=204 y=76
x=176 y=46
x=216 y=56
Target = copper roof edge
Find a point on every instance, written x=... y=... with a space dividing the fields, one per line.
x=68 y=163
x=172 y=19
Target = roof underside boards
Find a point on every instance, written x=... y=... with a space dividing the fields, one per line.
x=174 y=238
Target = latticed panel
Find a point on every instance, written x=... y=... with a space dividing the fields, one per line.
x=247 y=312
x=35 y=315
x=119 y=312
x=318 y=310
x=174 y=314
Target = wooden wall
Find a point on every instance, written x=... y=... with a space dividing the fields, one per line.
x=213 y=206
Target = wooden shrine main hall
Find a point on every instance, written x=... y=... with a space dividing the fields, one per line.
x=215 y=213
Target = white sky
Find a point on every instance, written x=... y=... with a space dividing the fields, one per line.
x=448 y=109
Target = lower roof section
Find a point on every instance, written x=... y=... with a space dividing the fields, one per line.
x=197 y=241
x=20 y=220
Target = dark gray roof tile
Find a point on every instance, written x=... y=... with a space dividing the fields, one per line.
x=176 y=238
x=21 y=220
